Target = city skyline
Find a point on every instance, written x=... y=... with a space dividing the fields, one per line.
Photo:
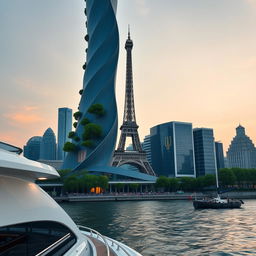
x=194 y=62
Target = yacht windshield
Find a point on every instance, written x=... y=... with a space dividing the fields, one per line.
x=36 y=238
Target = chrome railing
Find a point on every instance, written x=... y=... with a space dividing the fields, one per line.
x=113 y=242
x=98 y=235
x=54 y=245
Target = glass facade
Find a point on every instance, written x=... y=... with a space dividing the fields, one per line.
x=32 y=148
x=219 y=155
x=172 y=150
x=204 y=146
x=48 y=146
x=64 y=127
x=146 y=146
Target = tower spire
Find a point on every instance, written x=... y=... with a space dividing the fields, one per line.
x=129 y=127
x=129 y=32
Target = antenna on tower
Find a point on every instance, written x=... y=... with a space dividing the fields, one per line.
x=129 y=31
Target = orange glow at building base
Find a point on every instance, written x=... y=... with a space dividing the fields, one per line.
x=97 y=190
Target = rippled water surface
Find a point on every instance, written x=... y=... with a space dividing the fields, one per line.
x=171 y=227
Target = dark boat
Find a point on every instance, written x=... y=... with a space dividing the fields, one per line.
x=217 y=203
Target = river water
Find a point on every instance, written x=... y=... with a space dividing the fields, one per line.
x=166 y=228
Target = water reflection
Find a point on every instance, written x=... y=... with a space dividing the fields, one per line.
x=171 y=227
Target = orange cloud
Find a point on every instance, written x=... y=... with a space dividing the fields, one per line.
x=24 y=118
x=30 y=108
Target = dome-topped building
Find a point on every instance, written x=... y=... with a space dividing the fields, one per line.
x=48 y=145
x=32 y=148
x=241 y=152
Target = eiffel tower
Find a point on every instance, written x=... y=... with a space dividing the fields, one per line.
x=129 y=128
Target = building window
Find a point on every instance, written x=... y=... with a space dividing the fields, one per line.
x=81 y=156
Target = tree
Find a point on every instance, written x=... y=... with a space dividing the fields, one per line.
x=173 y=184
x=81 y=91
x=162 y=182
x=77 y=115
x=87 y=143
x=76 y=138
x=188 y=183
x=71 y=184
x=71 y=134
x=92 y=131
x=63 y=173
x=119 y=186
x=209 y=180
x=85 y=121
x=226 y=177
x=91 y=181
x=69 y=147
x=240 y=176
x=75 y=124
x=97 y=109
x=103 y=182
x=134 y=187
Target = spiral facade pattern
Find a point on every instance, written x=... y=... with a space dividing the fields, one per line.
x=98 y=86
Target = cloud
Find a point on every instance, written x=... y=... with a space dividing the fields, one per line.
x=29 y=108
x=25 y=115
x=23 y=118
x=142 y=7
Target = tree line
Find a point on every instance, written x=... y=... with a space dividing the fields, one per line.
x=83 y=182
x=238 y=178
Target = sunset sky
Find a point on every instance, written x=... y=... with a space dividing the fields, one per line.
x=193 y=61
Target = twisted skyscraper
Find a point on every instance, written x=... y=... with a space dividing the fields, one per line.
x=96 y=127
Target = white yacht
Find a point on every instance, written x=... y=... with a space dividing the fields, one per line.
x=32 y=223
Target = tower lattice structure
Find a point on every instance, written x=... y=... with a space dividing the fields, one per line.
x=136 y=157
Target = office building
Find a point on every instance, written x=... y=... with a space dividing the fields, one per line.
x=241 y=152
x=219 y=155
x=146 y=146
x=204 y=147
x=172 y=149
x=64 y=127
x=48 y=146
x=32 y=148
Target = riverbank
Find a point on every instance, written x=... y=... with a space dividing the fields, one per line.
x=147 y=196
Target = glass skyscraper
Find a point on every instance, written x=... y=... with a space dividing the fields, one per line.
x=241 y=152
x=64 y=127
x=219 y=155
x=48 y=146
x=146 y=146
x=204 y=151
x=172 y=149
x=32 y=148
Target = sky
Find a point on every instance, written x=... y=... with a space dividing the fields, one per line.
x=193 y=61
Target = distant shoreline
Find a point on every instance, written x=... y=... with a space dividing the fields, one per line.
x=148 y=197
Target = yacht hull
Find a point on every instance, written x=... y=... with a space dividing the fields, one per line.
x=203 y=204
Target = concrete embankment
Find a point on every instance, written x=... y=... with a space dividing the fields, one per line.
x=124 y=197
x=149 y=197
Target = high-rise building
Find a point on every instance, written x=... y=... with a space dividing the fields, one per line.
x=48 y=146
x=98 y=87
x=32 y=148
x=172 y=149
x=64 y=127
x=204 y=146
x=219 y=155
x=146 y=146
x=241 y=152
